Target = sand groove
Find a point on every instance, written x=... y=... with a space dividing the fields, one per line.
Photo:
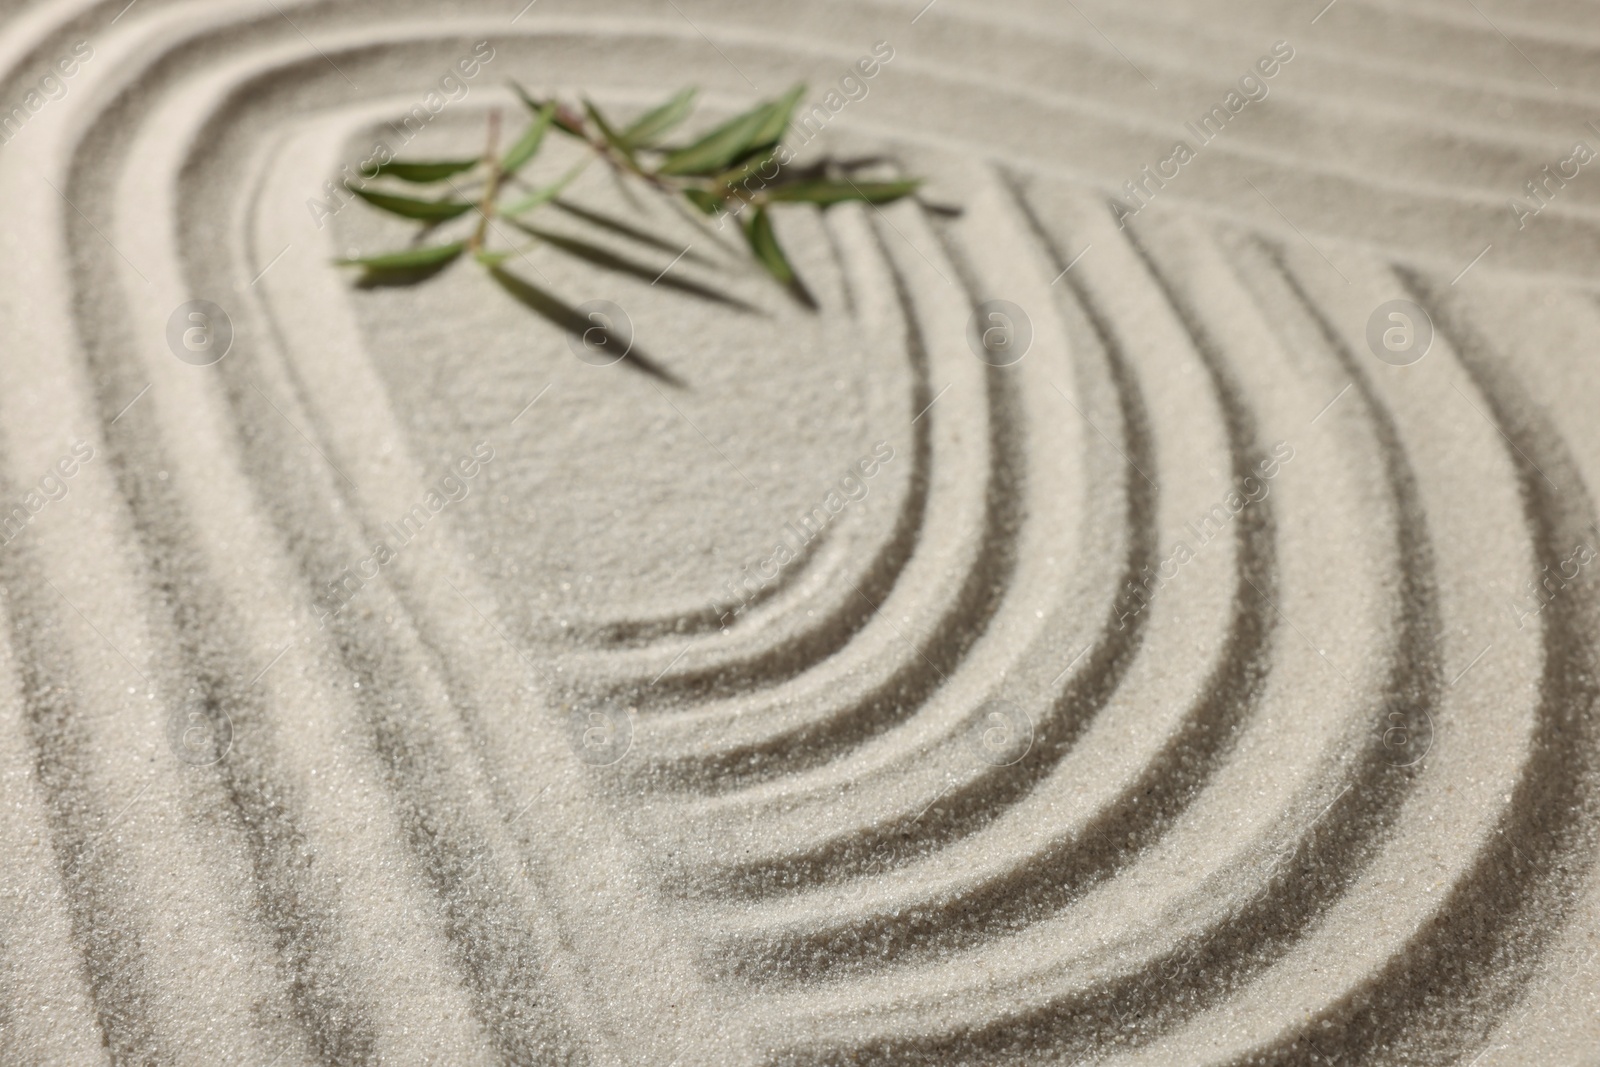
x=1209 y=851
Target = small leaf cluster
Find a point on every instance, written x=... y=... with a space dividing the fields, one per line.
x=735 y=170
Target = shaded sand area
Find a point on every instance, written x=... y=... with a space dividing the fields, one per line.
x=1213 y=684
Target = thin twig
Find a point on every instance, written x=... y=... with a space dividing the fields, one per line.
x=491 y=187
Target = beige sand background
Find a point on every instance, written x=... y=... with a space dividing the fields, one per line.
x=993 y=771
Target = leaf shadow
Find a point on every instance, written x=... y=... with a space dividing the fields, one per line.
x=568 y=318
x=623 y=229
x=607 y=260
x=855 y=162
x=796 y=288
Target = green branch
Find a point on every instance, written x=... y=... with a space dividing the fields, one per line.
x=740 y=163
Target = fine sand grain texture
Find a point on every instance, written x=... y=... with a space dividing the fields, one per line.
x=1213 y=685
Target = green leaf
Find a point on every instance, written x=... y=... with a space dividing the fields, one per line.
x=532 y=104
x=723 y=146
x=612 y=137
x=493 y=259
x=410 y=259
x=777 y=118
x=562 y=121
x=422 y=172
x=407 y=207
x=764 y=243
x=826 y=192
x=545 y=195
x=710 y=203
x=756 y=131
x=744 y=170
x=527 y=145
x=648 y=128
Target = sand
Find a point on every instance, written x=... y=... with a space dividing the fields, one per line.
x=1211 y=685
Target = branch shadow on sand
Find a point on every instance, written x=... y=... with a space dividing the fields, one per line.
x=605 y=259
x=623 y=229
x=569 y=319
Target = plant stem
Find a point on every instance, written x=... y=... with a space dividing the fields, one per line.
x=491 y=188
x=628 y=166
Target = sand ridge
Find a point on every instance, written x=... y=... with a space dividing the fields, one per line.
x=564 y=784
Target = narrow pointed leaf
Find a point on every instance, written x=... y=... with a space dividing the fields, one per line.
x=562 y=120
x=527 y=145
x=545 y=195
x=429 y=171
x=719 y=148
x=755 y=131
x=410 y=259
x=777 y=118
x=710 y=203
x=612 y=137
x=764 y=243
x=532 y=104
x=826 y=192
x=648 y=128
x=746 y=169
x=407 y=207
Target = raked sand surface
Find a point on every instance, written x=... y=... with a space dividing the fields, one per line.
x=1199 y=689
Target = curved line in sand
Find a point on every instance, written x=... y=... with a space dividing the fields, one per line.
x=1016 y=899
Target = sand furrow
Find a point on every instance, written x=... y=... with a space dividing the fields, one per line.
x=1212 y=685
